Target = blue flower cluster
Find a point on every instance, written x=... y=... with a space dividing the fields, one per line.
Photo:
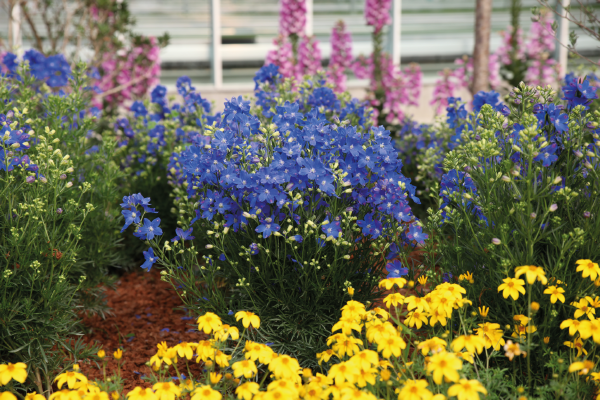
x=146 y=134
x=54 y=70
x=246 y=174
x=553 y=121
x=14 y=142
x=578 y=91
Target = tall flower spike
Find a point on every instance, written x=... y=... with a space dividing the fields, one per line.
x=377 y=13
x=341 y=56
x=292 y=17
x=309 y=56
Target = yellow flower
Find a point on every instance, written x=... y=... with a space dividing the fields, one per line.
x=467 y=389
x=435 y=344
x=342 y=372
x=351 y=291
x=97 y=396
x=226 y=332
x=576 y=344
x=248 y=318
x=34 y=396
x=389 y=345
x=101 y=354
x=417 y=303
x=556 y=293
x=588 y=268
x=473 y=344
x=416 y=318
x=166 y=390
x=389 y=283
x=414 y=390
x=185 y=349
x=17 y=371
x=285 y=367
x=10 y=396
x=209 y=322
x=257 y=351
x=593 y=302
x=444 y=365
x=215 y=377
x=346 y=325
x=590 y=329
x=347 y=345
x=492 y=334
x=353 y=309
x=532 y=273
x=65 y=394
x=522 y=330
x=352 y=393
x=284 y=386
x=115 y=395
x=365 y=359
x=584 y=366
x=483 y=311
x=312 y=391
x=70 y=378
x=118 y=354
x=512 y=287
x=205 y=392
x=307 y=373
x=245 y=368
x=437 y=315
x=523 y=320
x=456 y=290
x=512 y=349
x=141 y=394
x=547 y=339
x=583 y=308
x=422 y=280
x=466 y=276
x=393 y=299
x=572 y=324
x=324 y=356
x=246 y=390
x=381 y=313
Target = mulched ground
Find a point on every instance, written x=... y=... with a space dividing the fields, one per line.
x=146 y=311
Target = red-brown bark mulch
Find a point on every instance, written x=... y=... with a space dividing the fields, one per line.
x=145 y=312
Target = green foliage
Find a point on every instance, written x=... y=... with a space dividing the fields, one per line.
x=60 y=225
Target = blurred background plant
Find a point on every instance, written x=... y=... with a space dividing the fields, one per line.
x=100 y=33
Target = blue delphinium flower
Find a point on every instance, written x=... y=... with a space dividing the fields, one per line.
x=267 y=74
x=578 y=91
x=254 y=249
x=131 y=217
x=158 y=94
x=138 y=109
x=149 y=229
x=415 y=232
x=183 y=235
x=10 y=62
x=267 y=227
x=37 y=64
x=150 y=259
x=395 y=269
x=59 y=70
x=332 y=229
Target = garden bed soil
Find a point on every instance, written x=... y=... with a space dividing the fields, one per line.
x=145 y=311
